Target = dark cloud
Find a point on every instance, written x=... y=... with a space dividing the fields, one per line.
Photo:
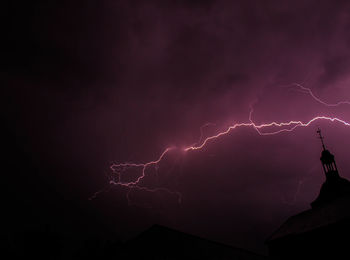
x=335 y=68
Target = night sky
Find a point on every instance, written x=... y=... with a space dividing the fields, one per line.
x=88 y=83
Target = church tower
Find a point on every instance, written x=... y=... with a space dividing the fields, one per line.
x=328 y=162
x=335 y=186
x=318 y=232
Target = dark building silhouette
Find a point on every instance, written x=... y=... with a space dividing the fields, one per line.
x=159 y=242
x=323 y=230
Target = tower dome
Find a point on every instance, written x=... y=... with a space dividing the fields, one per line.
x=334 y=186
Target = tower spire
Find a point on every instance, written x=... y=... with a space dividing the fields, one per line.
x=321 y=137
x=327 y=159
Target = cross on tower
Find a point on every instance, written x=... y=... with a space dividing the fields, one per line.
x=321 y=137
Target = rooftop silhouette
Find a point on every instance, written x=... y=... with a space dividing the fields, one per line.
x=318 y=231
x=160 y=242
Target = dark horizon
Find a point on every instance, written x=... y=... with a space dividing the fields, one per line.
x=87 y=84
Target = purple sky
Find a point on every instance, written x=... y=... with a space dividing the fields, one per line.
x=91 y=83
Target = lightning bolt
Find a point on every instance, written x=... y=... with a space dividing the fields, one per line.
x=309 y=91
x=201 y=132
x=118 y=169
x=122 y=167
x=292 y=124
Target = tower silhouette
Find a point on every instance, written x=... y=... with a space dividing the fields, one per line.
x=318 y=232
x=334 y=186
x=328 y=162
